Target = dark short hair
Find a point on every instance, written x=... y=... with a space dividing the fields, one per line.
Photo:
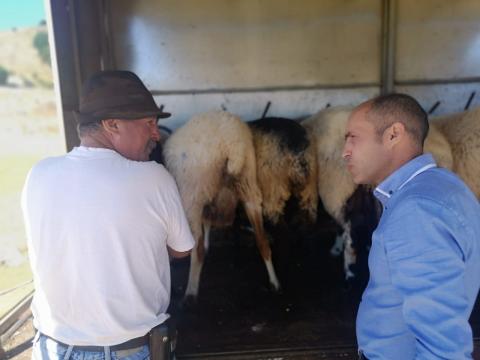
x=391 y=108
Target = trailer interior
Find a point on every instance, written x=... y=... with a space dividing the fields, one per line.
x=290 y=59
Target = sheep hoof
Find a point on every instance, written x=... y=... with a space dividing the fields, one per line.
x=276 y=289
x=349 y=275
x=337 y=247
x=334 y=251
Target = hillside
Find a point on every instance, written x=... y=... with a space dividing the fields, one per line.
x=19 y=57
x=29 y=130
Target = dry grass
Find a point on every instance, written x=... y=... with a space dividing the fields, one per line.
x=29 y=131
x=19 y=57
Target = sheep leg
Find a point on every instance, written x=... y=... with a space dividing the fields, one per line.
x=196 y=263
x=251 y=197
x=255 y=218
x=344 y=243
x=349 y=255
x=337 y=247
x=206 y=235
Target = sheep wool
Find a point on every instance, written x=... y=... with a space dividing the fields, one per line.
x=212 y=159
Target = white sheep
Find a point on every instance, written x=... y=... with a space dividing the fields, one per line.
x=212 y=159
x=453 y=140
x=462 y=131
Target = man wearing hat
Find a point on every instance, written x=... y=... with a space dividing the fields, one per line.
x=101 y=222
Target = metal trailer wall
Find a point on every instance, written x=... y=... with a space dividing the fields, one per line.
x=299 y=55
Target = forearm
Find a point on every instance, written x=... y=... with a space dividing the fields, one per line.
x=177 y=254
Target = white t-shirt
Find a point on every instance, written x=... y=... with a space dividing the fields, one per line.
x=98 y=226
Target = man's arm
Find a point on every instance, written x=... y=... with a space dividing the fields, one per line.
x=180 y=240
x=178 y=254
x=426 y=265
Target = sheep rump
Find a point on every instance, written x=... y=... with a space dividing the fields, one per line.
x=286 y=167
x=212 y=159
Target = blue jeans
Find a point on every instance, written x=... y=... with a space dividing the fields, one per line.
x=45 y=348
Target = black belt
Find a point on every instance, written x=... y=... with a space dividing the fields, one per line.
x=129 y=344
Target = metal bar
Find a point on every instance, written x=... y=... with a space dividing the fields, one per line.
x=263 y=89
x=267 y=107
x=21 y=319
x=75 y=47
x=388 y=45
x=10 y=318
x=434 y=107
x=313 y=87
x=469 y=101
x=64 y=66
x=328 y=352
x=108 y=56
x=53 y=42
x=9 y=290
x=416 y=82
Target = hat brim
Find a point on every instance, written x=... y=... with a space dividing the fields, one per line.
x=130 y=114
x=82 y=118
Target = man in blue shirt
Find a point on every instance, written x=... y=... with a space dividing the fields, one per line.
x=425 y=256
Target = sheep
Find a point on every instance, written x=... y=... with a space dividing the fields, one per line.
x=286 y=173
x=453 y=140
x=462 y=131
x=212 y=159
x=335 y=185
x=286 y=167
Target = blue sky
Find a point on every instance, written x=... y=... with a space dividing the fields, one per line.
x=20 y=13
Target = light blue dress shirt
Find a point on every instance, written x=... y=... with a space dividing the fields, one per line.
x=424 y=267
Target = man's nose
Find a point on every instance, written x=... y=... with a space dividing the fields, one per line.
x=346 y=153
x=155 y=134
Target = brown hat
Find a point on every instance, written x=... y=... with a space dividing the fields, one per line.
x=116 y=95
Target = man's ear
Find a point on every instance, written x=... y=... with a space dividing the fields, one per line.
x=110 y=126
x=395 y=133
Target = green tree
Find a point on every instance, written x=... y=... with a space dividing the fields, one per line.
x=3 y=75
x=40 y=42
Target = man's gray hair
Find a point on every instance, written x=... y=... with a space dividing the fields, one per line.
x=391 y=108
x=84 y=129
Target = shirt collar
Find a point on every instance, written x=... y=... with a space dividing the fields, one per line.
x=400 y=177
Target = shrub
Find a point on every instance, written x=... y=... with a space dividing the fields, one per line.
x=40 y=42
x=3 y=75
